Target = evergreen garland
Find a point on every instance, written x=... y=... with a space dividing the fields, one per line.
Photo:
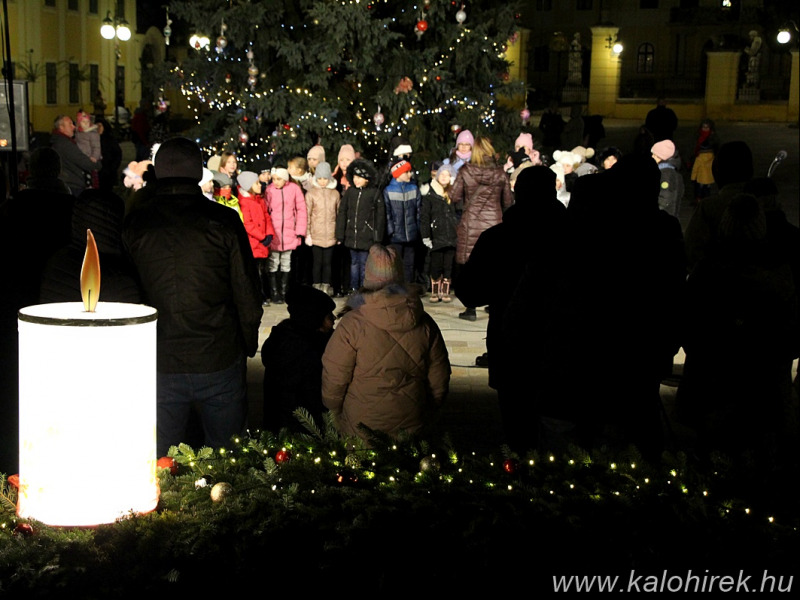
x=396 y=515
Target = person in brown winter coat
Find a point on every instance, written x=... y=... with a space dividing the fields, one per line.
x=386 y=365
x=482 y=193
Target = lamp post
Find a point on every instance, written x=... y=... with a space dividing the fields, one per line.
x=115 y=29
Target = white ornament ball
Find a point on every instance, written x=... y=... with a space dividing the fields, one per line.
x=222 y=42
x=378 y=118
x=250 y=55
x=243 y=137
x=461 y=16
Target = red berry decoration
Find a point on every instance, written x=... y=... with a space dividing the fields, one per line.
x=422 y=25
x=282 y=456
x=23 y=529
x=510 y=465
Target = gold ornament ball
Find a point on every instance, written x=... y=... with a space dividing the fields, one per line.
x=220 y=491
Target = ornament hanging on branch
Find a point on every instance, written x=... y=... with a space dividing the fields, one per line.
x=282 y=456
x=525 y=115
x=421 y=28
x=252 y=70
x=227 y=77
x=455 y=128
x=220 y=491
x=426 y=5
x=404 y=86
x=461 y=15
x=222 y=41
x=243 y=137
x=378 y=118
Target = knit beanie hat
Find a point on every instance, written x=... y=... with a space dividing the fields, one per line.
x=347 y=151
x=323 y=171
x=402 y=150
x=400 y=167
x=465 y=137
x=308 y=305
x=524 y=140
x=281 y=172
x=743 y=220
x=383 y=267
x=317 y=152
x=246 y=179
x=450 y=169
x=221 y=179
x=359 y=169
x=207 y=176
x=663 y=150
x=179 y=157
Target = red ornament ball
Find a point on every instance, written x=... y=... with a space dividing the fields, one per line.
x=23 y=529
x=282 y=456
x=165 y=462
x=422 y=25
x=510 y=465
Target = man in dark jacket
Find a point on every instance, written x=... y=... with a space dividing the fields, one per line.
x=75 y=165
x=195 y=266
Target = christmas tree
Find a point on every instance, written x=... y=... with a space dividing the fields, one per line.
x=279 y=76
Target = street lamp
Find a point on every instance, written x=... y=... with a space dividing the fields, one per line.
x=116 y=28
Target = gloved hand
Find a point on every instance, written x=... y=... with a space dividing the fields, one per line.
x=427 y=242
x=267 y=240
x=308 y=241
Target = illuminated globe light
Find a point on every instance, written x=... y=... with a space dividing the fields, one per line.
x=123 y=32
x=199 y=42
x=107 y=30
x=87 y=412
x=617 y=48
x=784 y=36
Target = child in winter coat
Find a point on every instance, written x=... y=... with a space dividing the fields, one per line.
x=292 y=358
x=298 y=171
x=287 y=208
x=322 y=201
x=87 y=138
x=223 y=192
x=672 y=188
x=403 y=203
x=437 y=226
x=257 y=223
x=704 y=151
x=361 y=220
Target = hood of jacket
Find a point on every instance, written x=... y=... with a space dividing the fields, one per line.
x=394 y=308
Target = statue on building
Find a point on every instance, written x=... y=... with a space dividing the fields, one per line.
x=753 y=51
x=574 y=75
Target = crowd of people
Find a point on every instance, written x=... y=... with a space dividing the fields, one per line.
x=578 y=255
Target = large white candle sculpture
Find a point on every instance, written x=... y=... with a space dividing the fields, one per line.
x=87 y=404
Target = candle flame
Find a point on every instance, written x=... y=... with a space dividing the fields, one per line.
x=90 y=274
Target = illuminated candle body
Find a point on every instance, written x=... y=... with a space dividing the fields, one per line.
x=87 y=412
